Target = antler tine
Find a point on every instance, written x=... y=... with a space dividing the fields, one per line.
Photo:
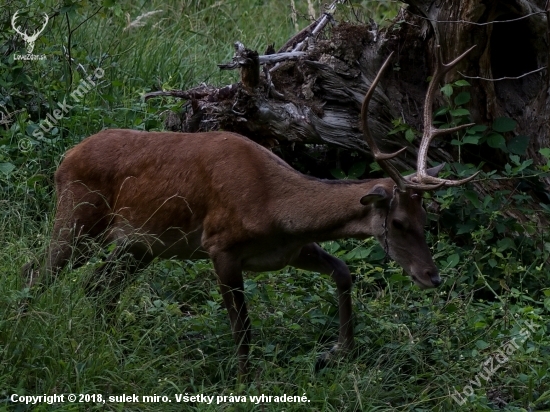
x=381 y=158
x=13 y=18
x=433 y=183
x=37 y=32
x=430 y=132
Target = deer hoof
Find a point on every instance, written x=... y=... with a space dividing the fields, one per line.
x=329 y=357
x=29 y=273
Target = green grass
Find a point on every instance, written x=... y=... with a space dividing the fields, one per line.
x=170 y=334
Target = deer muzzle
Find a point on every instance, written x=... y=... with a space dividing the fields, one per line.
x=429 y=279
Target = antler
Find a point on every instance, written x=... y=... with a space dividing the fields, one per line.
x=379 y=157
x=430 y=132
x=37 y=32
x=421 y=181
x=13 y=18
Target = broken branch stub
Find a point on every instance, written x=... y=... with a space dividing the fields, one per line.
x=248 y=62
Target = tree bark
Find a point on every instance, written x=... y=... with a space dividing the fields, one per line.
x=507 y=48
x=316 y=100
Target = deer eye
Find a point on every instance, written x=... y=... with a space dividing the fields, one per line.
x=398 y=224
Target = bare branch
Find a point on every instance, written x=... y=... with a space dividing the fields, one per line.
x=477 y=24
x=315 y=27
x=198 y=92
x=279 y=57
x=503 y=78
x=264 y=59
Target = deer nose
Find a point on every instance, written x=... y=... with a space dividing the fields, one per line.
x=436 y=280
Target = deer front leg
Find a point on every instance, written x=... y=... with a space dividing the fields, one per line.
x=315 y=259
x=230 y=279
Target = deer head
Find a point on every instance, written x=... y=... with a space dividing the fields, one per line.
x=403 y=233
x=28 y=39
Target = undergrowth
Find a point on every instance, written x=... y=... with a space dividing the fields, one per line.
x=170 y=334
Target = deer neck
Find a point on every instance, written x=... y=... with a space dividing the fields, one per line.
x=325 y=210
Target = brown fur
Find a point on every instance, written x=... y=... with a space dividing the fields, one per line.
x=222 y=196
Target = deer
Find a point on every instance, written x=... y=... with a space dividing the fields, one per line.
x=30 y=40
x=221 y=196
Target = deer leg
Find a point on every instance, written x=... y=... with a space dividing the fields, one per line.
x=66 y=243
x=230 y=280
x=108 y=281
x=80 y=216
x=315 y=259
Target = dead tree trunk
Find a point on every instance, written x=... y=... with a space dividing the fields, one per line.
x=315 y=98
x=512 y=39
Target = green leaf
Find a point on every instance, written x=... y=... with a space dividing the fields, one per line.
x=460 y=112
x=409 y=135
x=453 y=260
x=545 y=152
x=461 y=83
x=443 y=110
x=505 y=244
x=36 y=178
x=478 y=128
x=481 y=344
x=465 y=228
x=447 y=90
x=496 y=141
x=357 y=170
x=504 y=124
x=518 y=145
x=362 y=253
x=377 y=253
x=338 y=173
x=6 y=168
x=515 y=159
x=523 y=165
x=471 y=195
x=359 y=253
x=471 y=139
x=375 y=167
x=462 y=98
x=331 y=246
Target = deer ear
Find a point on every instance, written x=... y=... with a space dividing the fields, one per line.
x=432 y=171
x=376 y=194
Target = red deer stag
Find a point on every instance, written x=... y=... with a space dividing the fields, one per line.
x=219 y=195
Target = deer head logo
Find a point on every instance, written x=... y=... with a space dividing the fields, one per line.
x=28 y=39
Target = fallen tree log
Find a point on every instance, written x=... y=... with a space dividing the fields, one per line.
x=315 y=98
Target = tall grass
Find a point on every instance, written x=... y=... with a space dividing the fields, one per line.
x=170 y=334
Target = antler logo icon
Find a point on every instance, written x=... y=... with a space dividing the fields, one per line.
x=28 y=39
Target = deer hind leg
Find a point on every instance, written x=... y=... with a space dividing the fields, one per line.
x=315 y=259
x=81 y=215
x=230 y=279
